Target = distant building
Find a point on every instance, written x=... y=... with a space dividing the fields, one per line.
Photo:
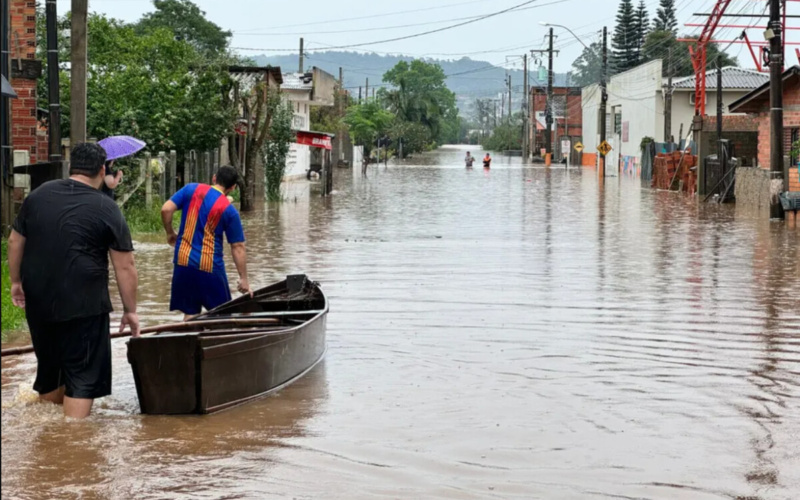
x=567 y=118
x=304 y=90
x=757 y=105
x=635 y=108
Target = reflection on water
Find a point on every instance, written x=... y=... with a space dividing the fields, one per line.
x=514 y=333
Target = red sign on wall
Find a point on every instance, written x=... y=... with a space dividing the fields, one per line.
x=314 y=139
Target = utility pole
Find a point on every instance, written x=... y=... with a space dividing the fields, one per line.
x=341 y=96
x=603 y=101
x=502 y=105
x=549 y=115
x=54 y=129
x=359 y=94
x=366 y=91
x=525 y=119
x=494 y=101
x=776 y=98
x=5 y=125
x=668 y=102
x=566 y=121
x=78 y=62
x=301 y=70
x=719 y=119
x=510 y=113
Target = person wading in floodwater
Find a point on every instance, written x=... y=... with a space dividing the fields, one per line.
x=58 y=263
x=199 y=279
x=487 y=161
x=469 y=159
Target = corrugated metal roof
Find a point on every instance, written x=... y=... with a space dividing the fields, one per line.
x=732 y=78
x=297 y=81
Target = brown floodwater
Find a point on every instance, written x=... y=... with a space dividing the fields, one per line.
x=518 y=333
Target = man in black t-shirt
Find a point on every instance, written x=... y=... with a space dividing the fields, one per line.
x=58 y=263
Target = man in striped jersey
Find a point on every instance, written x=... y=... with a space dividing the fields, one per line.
x=199 y=279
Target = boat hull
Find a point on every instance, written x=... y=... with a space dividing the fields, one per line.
x=209 y=370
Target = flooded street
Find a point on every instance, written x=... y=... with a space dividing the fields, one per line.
x=519 y=333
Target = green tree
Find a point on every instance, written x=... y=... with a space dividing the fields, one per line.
x=150 y=86
x=506 y=136
x=187 y=22
x=588 y=67
x=624 y=42
x=659 y=44
x=277 y=144
x=368 y=122
x=414 y=136
x=419 y=95
x=665 y=19
x=483 y=113
x=642 y=26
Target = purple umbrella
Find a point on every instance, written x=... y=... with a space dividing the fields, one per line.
x=119 y=146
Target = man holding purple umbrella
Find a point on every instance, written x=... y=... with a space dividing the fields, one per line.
x=117 y=146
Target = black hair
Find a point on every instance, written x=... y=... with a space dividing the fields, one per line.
x=227 y=176
x=87 y=159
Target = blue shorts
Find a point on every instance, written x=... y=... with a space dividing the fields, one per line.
x=193 y=289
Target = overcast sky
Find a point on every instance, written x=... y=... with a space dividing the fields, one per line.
x=278 y=24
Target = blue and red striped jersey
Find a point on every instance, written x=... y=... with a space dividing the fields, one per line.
x=206 y=215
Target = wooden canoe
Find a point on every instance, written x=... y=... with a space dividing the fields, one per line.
x=242 y=350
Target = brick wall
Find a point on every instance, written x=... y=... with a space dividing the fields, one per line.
x=574 y=122
x=25 y=131
x=732 y=123
x=794 y=178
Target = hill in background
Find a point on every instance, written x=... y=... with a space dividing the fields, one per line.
x=468 y=78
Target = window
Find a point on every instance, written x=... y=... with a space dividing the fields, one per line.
x=790 y=136
x=693 y=98
x=559 y=105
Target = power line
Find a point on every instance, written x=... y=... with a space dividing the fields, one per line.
x=406 y=37
x=373 y=16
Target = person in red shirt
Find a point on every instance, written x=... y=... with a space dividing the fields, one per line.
x=487 y=161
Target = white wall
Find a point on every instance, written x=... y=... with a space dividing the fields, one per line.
x=683 y=110
x=298 y=159
x=590 y=102
x=636 y=95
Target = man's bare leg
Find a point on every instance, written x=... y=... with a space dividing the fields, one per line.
x=77 y=407
x=56 y=396
x=187 y=317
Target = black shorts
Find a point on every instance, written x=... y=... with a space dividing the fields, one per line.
x=75 y=354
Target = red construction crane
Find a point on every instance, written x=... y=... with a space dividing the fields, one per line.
x=699 y=52
x=698 y=48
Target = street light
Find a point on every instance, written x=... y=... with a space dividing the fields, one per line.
x=562 y=26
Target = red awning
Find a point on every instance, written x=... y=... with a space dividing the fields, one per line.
x=314 y=139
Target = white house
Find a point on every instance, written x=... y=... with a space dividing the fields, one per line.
x=304 y=90
x=635 y=107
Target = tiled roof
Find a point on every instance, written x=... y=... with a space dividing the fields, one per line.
x=297 y=81
x=732 y=78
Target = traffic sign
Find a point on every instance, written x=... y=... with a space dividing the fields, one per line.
x=579 y=147
x=604 y=148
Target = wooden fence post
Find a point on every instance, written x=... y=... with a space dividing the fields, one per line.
x=162 y=178
x=191 y=173
x=173 y=171
x=207 y=167
x=148 y=185
x=142 y=171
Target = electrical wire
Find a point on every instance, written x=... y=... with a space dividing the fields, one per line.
x=406 y=37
